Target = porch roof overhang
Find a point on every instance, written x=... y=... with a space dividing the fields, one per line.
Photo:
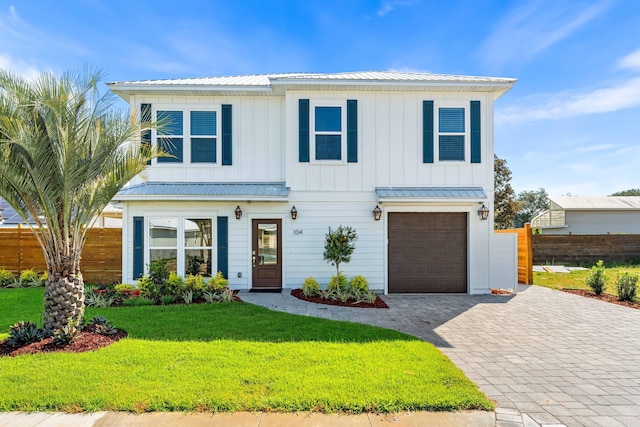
x=431 y=194
x=205 y=191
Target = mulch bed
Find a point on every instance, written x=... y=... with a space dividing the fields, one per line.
x=602 y=297
x=87 y=340
x=351 y=303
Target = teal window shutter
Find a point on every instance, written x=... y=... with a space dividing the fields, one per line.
x=475 y=132
x=227 y=147
x=223 y=246
x=352 y=131
x=303 y=130
x=138 y=247
x=427 y=131
x=145 y=117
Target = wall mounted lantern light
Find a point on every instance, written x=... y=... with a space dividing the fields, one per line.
x=238 y=212
x=483 y=212
x=294 y=213
x=377 y=213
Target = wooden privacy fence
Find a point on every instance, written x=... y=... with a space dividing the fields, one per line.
x=586 y=248
x=525 y=253
x=101 y=257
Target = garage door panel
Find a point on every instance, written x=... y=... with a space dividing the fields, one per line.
x=427 y=252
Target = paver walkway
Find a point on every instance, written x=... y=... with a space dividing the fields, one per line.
x=546 y=357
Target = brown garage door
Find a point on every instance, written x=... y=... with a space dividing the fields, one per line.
x=427 y=252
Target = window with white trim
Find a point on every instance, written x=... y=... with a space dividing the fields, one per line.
x=189 y=135
x=328 y=130
x=185 y=244
x=451 y=133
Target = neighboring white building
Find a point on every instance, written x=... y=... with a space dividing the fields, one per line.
x=419 y=147
x=590 y=215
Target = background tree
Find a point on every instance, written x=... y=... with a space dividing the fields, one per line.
x=339 y=245
x=531 y=204
x=63 y=156
x=632 y=192
x=504 y=204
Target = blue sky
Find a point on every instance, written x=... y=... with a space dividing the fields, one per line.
x=570 y=125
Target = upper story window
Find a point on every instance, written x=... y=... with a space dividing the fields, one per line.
x=189 y=134
x=328 y=132
x=451 y=134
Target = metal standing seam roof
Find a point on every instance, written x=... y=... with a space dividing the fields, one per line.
x=206 y=190
x=431 y=193
x=267 y=80
x=597 y=203
x=9 y=216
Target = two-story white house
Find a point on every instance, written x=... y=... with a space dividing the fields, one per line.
x=263 y=165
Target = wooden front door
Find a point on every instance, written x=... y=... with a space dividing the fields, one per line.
x=266 y=253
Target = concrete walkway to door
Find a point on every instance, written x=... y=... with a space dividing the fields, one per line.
x=546 y=357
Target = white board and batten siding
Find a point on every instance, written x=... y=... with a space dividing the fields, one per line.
x=389 y=145
x=302 y=239
x=257 y=129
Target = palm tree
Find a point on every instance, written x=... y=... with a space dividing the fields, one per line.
x=65 y=151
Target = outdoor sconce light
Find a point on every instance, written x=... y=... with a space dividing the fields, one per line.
x=377 y=213
x=238 y=212
x=294 y=213
x=483 y=212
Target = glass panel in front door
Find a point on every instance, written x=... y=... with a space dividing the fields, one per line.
x=267 y=244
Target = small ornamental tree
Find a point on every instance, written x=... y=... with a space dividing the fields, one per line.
x=339 y=245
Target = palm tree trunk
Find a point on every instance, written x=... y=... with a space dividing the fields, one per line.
x=63 y=296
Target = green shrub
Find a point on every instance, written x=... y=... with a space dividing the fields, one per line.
x=99 y=320
x=29 y=278
x=626 y=287
x=65 y=335
x=167 y=299
x=138 y=301
x=124 y=289
x=159 y=273
x=339 y=246
x=174 y=284
x=103 y=326
x=217 y=283
x=358 y=284
x=148 y=289
x=6 y=278
x=106 y=330
x=337 y=283
x=23 y=333
x=597 y=278
x=187 y=297
x=226 y=295
x=310 y=287
x=210 y=297
x=194 y=283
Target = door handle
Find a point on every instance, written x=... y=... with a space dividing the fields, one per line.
x=253 y=259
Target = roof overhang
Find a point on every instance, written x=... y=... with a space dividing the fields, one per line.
x=204 y=191
x=431 y=194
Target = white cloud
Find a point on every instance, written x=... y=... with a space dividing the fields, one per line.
x=389 y=5
x=28 y=71
x=534 y=26
x=631 y=61
x=625 y=94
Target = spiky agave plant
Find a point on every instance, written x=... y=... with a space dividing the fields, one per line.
x=65 y=151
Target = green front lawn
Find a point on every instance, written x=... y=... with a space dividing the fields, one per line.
x=231 y=357
x=577 y=279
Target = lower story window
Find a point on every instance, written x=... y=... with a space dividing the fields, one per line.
x=184 y=245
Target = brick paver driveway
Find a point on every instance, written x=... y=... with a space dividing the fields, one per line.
x=546 y=357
